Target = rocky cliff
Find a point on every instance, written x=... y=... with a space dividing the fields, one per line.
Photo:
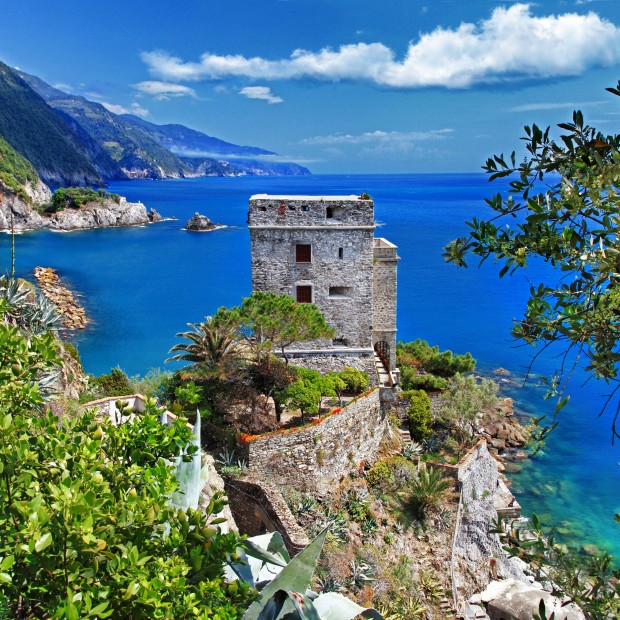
x=102 y=214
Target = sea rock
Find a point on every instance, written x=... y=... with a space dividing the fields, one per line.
x=200 y=222
x=154 y=216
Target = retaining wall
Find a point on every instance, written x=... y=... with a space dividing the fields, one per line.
x=258 y=507
x=316 y=456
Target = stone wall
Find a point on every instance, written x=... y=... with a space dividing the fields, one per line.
x=385 y=260
x=270 y=210
x=335 y=361
x=317 y=456
x=479 y=557
x=339 y=231
x=341 y=288
x=259 y=507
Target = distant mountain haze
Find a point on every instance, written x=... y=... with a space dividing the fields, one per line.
x=125 y=146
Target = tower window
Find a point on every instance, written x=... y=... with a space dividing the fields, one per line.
x=329 y=212
x=304 y=294
x=340 y=252
x=303 y=253
x=340 y=291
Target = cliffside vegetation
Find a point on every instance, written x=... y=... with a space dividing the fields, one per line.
x=87 y=527
x=76 y=197
x=15 y=170
x=40 y=134
x=428 y=368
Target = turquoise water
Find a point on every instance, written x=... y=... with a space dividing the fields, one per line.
x=143 y=285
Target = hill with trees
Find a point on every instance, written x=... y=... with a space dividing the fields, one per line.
x=58 y=152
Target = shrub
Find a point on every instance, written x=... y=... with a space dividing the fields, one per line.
x=442 y=363
x=420 y=415
x=356 y=381
x=72 y=352
x=428 y=490
x=115 y=383
x=411 y=379
x=390 y=474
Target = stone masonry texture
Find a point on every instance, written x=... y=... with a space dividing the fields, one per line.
x=316 y=457
x=340 y=270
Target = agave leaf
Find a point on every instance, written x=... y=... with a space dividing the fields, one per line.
x=295 y=577
x=289 y=606
x=269 y=548
x=334 y=606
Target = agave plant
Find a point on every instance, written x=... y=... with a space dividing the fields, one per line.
x=21 y=307
x=414 y=450
x=284 y=583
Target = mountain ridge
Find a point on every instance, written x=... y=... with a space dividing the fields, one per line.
x=140 y=149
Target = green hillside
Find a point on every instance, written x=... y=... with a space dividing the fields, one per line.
x=15 y=170
x=127 y=145
x=41 y=135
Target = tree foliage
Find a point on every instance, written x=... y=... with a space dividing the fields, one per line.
x=87 y=528
x=76 y=197
x=563 y=206
x=270 y=320
x=419 y=414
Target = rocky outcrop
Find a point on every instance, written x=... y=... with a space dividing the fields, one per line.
x=73 y=315
x=21 y=210
x=100 y=214
x=201 y=223
x=510 y=598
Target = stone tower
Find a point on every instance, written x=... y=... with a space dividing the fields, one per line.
x=322 y=250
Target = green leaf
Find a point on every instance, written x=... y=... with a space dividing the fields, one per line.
x=335 y=606
x=71 y=612
x=295 y=577
x=43 y=542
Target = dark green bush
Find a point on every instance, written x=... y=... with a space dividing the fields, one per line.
x=76 y=197
x=420 y=415
x=422 y=356
x=115 y=383
x=411 y=379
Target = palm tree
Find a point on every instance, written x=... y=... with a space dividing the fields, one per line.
x=213 y=348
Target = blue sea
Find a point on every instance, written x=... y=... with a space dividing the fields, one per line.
x=143 y=285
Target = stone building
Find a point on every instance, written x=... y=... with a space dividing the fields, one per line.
x=322 y=250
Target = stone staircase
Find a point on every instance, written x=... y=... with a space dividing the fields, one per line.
x=405 y=436
x=385 y=380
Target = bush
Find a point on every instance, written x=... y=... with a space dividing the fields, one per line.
x=419 y=415
x=356 y=381
x=442 y=363
x=411 y=379
x=391 y=474
x=115 y=383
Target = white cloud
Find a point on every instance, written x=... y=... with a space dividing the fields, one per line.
x=553 y=105
x=135 y=108
x=511 y=45
x=395 y=139
x=164 y=90
x=260 y=92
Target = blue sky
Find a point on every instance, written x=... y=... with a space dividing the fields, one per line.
x=355 y=86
